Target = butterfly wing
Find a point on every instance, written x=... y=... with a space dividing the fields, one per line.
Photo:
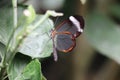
x=74 y=25
x=64 y=42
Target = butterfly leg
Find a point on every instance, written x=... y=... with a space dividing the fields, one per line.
x=54 y=51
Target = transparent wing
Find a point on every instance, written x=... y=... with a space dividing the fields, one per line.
x=74 y=24
x=64 y=42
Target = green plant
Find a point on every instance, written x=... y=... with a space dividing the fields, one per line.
x=23 y=32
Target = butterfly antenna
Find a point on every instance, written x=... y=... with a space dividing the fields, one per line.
x=56 y=21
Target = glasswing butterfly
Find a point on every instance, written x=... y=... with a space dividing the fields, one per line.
x=65 y=34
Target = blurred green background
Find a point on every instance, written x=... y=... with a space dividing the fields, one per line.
x=97 y=53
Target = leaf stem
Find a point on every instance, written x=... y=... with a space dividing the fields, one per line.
x=47 y=14
x=12 y=34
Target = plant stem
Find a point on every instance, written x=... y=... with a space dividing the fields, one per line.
x=15 y=12
x=24 y=33
x=3 y=68
x=12 y=34
x=2 y=73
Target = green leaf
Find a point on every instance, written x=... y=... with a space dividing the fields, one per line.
x=22 y=69
x=2 y=55
x=104 y=35
x=6 y=24
x=6 y=27
x=2 y=49
x=15 y=69
x=32 y=71
x=38 y=44
x=43 y=78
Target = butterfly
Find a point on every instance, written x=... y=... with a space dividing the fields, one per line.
x=65 y=34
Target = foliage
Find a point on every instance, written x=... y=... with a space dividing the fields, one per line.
x=103 y=33
x=31 y=37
